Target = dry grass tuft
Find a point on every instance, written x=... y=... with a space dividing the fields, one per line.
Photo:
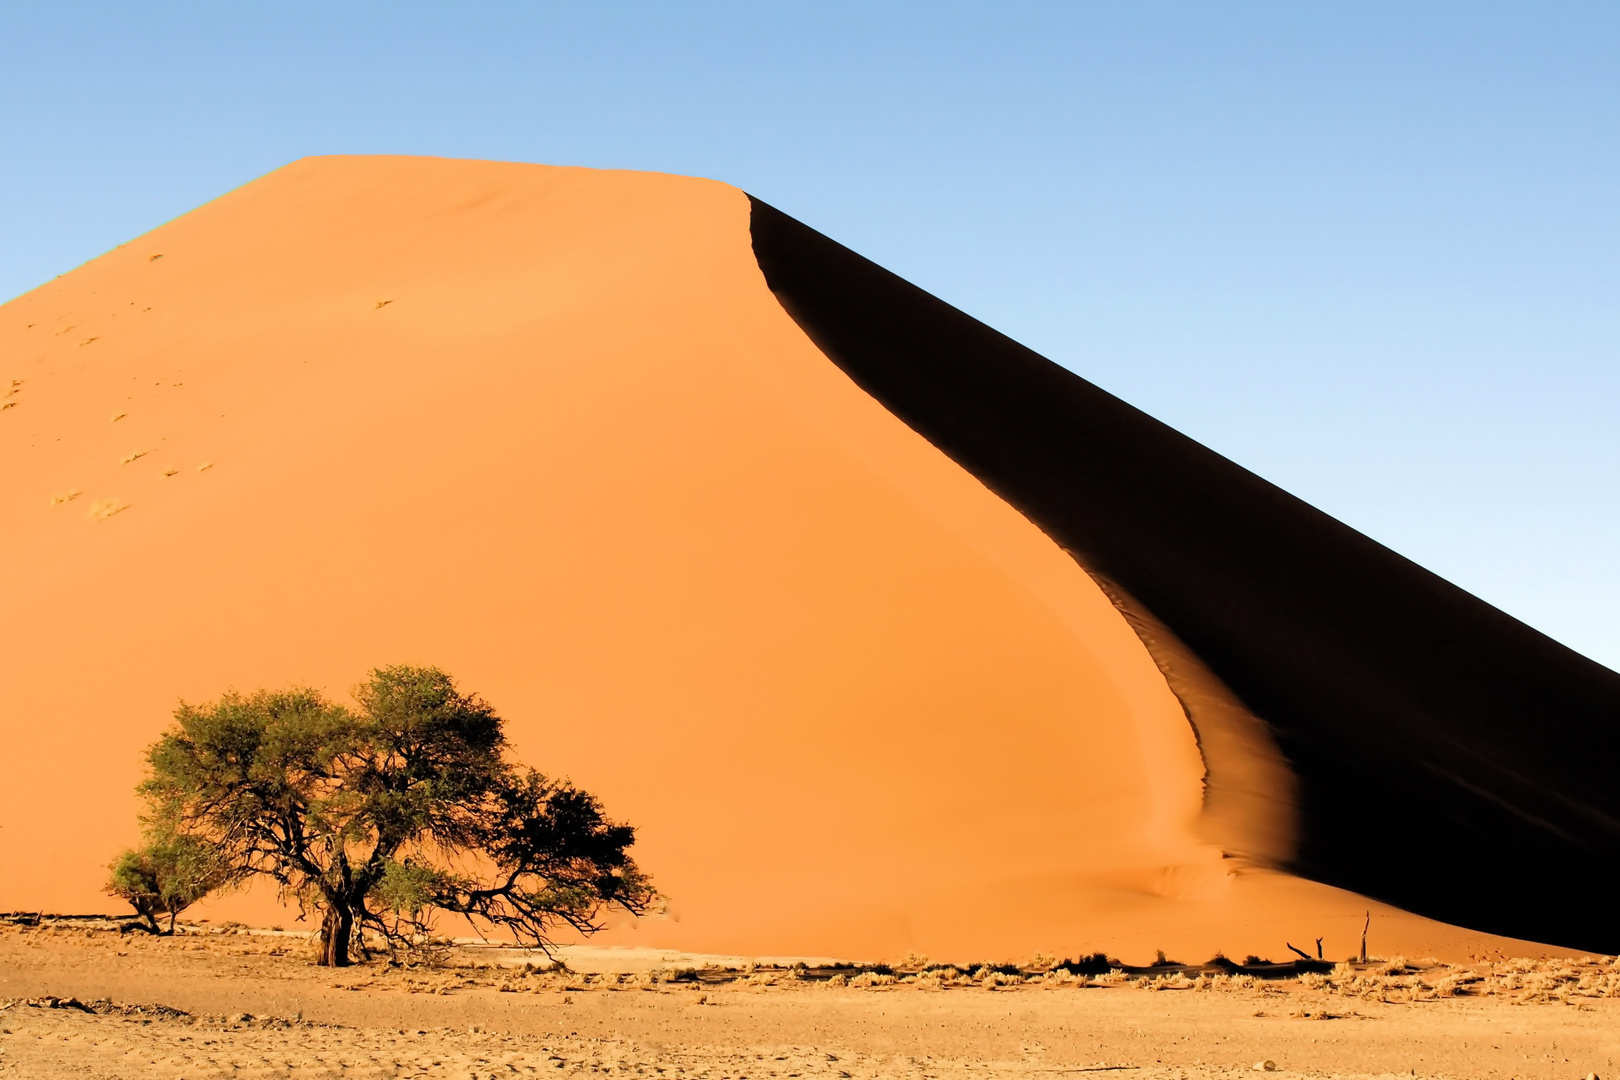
x=136 y=456
x=870 y=978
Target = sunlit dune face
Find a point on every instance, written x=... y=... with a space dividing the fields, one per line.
x=548 y=429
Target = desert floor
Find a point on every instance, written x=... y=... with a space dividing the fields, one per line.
x=79 y=999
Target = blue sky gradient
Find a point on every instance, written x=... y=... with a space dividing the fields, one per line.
x=1369 y=250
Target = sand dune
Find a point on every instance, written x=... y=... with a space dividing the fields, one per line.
x=551 y=430
x=1444 y=756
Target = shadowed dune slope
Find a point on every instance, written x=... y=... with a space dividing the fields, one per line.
x=1447 y=758
x=550 y=429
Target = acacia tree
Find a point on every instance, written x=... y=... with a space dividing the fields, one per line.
x=165 y=876
x=380 y=816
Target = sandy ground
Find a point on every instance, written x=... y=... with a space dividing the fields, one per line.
x=78 y=1002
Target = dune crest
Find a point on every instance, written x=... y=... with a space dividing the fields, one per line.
x=1250 y=809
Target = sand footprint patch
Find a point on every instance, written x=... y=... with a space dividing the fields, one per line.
x=106 y=508
x=68 y=496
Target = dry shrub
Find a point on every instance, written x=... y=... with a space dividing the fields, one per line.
x=1451 y=985
x=872 y=978
x=989 y=977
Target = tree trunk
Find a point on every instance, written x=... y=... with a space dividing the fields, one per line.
x=336 y=926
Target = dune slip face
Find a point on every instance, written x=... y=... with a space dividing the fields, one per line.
x=1447 y=758
x=579 y=438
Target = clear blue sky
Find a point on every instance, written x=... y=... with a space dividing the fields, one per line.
x=1370 y=250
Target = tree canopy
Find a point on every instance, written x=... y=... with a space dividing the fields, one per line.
x=382 y=815
x=165 y=876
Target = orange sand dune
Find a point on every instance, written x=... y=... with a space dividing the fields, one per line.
x=549 y=429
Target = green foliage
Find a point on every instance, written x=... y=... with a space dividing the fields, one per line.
x=165 y=876
x=381 y=815
x=407 y=889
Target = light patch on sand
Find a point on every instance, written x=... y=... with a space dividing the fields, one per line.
x=106 y=508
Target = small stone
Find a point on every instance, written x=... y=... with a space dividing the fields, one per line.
x=1265 y=1066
